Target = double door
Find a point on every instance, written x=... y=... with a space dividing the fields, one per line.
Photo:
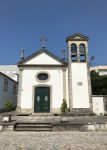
x=42 y=99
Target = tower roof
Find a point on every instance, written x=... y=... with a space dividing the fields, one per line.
x=77 y=37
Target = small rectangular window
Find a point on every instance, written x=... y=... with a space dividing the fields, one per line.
x=5 y=85
x=79 y=83
x=14 y=89
x=38 y=98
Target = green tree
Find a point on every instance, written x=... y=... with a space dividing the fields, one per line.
x=64 y=107
x=99 y=84
x=8 y=105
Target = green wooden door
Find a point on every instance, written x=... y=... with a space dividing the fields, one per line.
x=42 y=99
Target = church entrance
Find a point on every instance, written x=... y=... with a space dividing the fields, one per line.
x=42 y=99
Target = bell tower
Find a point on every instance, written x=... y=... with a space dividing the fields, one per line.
x=80 y=97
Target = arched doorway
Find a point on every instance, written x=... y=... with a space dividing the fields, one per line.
x=42 y=99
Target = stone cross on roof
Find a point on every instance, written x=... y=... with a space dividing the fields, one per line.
x=43 y=40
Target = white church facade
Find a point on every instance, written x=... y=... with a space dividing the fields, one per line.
x=45 y=79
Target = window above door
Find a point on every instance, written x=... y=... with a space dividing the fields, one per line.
x=42 y=77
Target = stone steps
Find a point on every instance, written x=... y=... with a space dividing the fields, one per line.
x=42 y=114
x=33 y=129
x=31 y=126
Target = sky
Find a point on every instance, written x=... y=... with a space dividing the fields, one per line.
x=24 y=22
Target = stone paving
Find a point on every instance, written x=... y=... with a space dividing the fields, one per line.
x=53 y=140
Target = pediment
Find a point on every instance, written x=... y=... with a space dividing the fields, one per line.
x=77 y=37
x=42 y=57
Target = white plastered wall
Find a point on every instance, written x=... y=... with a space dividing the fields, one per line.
x=43 y=58
x=79 y=74
x=29 y=82
x=80 y=92
x=67 y=91
x=98 y=104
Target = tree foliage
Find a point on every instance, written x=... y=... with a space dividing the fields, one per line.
x=64 y=108
x=8 y=105
x=99 y=84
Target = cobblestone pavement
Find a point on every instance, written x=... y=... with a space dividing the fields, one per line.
x=53 y=140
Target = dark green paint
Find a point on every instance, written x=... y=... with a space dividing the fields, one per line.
x=42 y=99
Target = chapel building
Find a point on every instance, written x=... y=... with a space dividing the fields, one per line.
x=45 y=79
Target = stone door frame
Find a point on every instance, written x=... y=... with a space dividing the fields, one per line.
x=33 y=96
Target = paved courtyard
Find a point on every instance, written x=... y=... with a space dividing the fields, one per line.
x=53 y=140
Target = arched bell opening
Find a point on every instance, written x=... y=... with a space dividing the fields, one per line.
x=73 y=52
x=82 y=52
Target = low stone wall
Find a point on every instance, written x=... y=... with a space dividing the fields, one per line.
x=65 y=127
x=80 y=127
x=6 y=127
x=99 y=104
x=60 y=123
x=96 y=127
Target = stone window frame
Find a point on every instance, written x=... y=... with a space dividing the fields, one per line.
x=42 y=81
x=14 y=89
x=42 y=85
x=74 y=51
x=5 y=88
x=83 y=50
x=80 y=83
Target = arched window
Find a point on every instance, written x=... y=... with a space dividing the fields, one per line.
x=74 y=52
x=82 y=51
